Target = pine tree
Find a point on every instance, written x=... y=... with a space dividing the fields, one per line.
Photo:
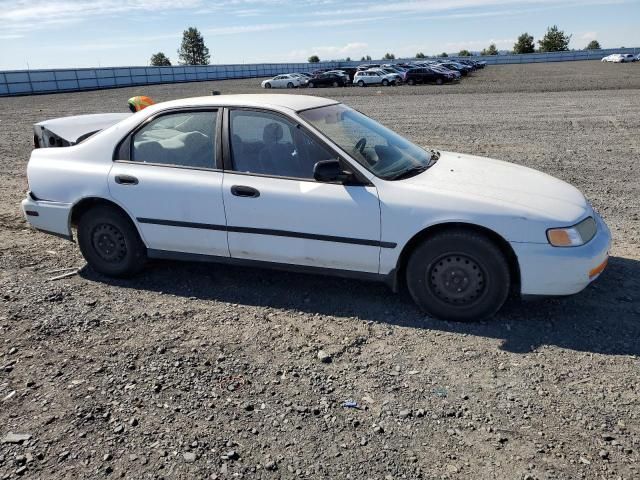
x=193 y=51
x=525 y=44
x=160 y=60
x=555 y=40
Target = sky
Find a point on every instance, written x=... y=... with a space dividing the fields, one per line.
x=90 y=33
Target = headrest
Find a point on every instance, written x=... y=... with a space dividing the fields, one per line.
x=272 y=133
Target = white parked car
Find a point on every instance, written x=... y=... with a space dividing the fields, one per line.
x=307 y=183
x=620 y=58
x=283 y=81
x=373 y=77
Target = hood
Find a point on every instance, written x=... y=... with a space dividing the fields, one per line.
x=71 y=129
x=535 y=193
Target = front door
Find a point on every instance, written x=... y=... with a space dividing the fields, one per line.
x=166 y=179
x=277 y=212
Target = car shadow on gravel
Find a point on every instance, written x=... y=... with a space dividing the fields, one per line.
x=605 y=318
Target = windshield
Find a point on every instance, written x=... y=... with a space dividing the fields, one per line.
x=378 y=149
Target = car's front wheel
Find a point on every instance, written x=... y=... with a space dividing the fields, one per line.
x=361 y=83
x=267 y=85
x=458 y=275
x=385 y=82
x=439 y=81
x=110 y=242
x=290 y=85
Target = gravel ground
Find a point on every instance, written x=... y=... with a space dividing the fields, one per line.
x=164 y=376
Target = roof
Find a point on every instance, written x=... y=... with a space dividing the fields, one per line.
x=278 y=101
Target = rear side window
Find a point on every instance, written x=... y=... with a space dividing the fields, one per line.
x=180 y=139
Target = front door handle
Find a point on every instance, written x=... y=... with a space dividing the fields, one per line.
x=126 y=180
x=244 y=191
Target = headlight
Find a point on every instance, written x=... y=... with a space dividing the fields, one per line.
x=574 y=236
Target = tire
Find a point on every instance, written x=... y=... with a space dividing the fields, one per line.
x=360 y=83
x=385 y=82
x=311 y=85
x=411 y=81
x=458 y=275
x=336 y=84
x=110 y=242
x=439 y=81
x=267 y=85
x=290 y=85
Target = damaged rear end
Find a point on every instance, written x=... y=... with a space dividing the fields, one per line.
x=69 y=131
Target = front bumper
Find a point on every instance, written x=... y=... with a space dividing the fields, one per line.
x=548 y=270
x=49 y=217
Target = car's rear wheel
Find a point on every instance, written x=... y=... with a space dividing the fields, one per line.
x=290 y=85
x=336 y=84
x=411 y=81
x=312 y=85
x=110 y=242
x=458 y=275
x=267 y=85
x=361 y=83
x=439 y=81
x=385 y=82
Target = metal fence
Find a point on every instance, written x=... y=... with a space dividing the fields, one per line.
x=29 y=82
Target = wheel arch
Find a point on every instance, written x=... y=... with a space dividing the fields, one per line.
x=85 y=204
x=496 y=238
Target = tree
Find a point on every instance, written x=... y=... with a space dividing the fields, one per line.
x=389 y=56
x=555 y=40
x=314 y=59
x=593 y=45
x=492 y=50
x=348 y=59
x=443 y=55
x=193 y=51
x=365 y=58
x=420 y=55
x=464 y=53
x=159 y=60
x=525 y=44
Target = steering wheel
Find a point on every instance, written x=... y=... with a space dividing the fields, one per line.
x=360 y=145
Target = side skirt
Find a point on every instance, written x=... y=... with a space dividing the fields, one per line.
x=198 y=257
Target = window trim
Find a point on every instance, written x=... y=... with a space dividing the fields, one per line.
x=227 y=158
x=123 y=149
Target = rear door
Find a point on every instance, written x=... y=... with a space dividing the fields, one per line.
x=166 y=177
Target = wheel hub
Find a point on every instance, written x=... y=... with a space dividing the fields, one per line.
x=456 y=279
x=108 y=242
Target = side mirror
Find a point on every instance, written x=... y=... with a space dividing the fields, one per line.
x=331 y=171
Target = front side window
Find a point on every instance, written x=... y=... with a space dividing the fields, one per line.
x=269 y=144
x=378 y=149
x=178 y=139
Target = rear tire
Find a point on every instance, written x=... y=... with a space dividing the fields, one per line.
x=110 y=242
x=336 y=84
x=411 y=81
x=290 y=85
x=385 y=82
x=458 y=275
x=439 y=81
x=311 y=85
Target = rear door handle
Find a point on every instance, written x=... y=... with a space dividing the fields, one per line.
x=244 y=191
x=126 y=180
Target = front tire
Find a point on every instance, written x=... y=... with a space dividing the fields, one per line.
x=439 y=81
x=458 y=275
x=312 y=85
x=290 y=85
x=361 y=83
x=110 y=242
x=385 y=82
x=267 y=85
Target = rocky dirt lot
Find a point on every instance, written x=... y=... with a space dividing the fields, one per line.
x=202 y=371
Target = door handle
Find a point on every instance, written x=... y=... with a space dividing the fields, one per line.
x=126 y=180
x=244 y=191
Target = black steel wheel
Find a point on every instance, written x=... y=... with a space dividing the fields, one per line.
x=459 y=275
x=110 y=242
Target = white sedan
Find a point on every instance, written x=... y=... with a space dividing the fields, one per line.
x=283 y=81
x=620 y=58
x=307 y=183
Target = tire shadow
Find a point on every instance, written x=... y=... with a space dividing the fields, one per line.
x=604 y=318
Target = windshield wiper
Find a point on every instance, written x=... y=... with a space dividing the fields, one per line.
x=410 y=172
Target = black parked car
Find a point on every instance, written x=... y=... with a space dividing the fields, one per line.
x=463 y=69
x=427 y=75
x=328 y=80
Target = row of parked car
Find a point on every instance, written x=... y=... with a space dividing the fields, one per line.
x=621 y=58
x=427 y=71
